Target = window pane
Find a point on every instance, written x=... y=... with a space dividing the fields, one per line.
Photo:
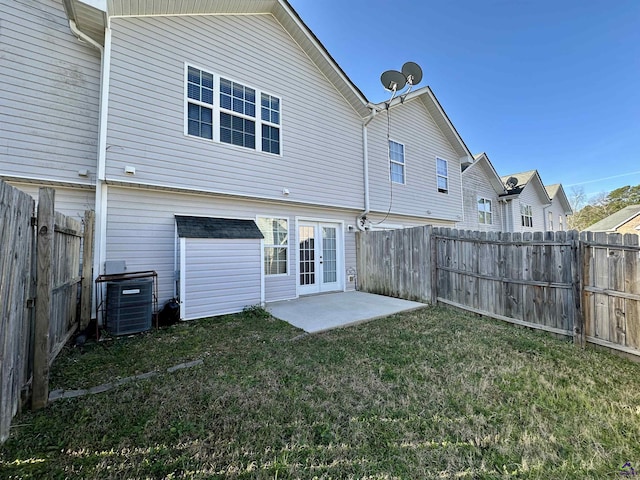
x=275 y=231
x=200 y=121
x=442 y=167
x=443 y=184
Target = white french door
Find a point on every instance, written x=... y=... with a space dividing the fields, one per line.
x=319 y=257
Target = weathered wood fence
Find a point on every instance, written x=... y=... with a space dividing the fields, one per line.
x=581 y=285
x=40 y=294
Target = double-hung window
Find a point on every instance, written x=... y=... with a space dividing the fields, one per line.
x=550 y=219
x=396 y=162
x=560 y=223
x=442 y=174
x=484 y=211
x=276 y=244
x=526 y=214
x=227 y=111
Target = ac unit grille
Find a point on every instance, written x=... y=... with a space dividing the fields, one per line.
x=129 y=306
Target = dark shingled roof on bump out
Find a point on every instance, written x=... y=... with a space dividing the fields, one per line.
x=208 y=227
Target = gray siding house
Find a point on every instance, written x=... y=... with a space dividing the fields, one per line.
x=526 y=202
x=151 y=111
x=482 y=190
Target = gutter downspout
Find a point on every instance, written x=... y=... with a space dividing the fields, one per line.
x=361 y=221
x=101 y=187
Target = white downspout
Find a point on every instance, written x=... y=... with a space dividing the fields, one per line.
x=362 y=218
x=101 y=187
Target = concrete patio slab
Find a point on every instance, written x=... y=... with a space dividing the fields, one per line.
x=332 y=310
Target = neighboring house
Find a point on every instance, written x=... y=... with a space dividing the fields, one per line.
x=559 y=210
x=626 y=220
x=526 y=202
x=482 y=190
x=187 y=124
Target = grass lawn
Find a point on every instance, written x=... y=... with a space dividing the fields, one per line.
x=434 y=393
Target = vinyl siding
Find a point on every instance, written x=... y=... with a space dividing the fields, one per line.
x=49 y=95
x=529 y=196
x=222 y=276
x=557 y=211
x=321 y=135
x=476 y=184
x=69 y=201
x=412 y=125
x=141 y=231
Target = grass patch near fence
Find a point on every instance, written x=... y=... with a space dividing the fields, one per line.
x=434 y=393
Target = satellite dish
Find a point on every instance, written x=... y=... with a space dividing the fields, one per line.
x=412 y=72
x=512 y=182
x=393 y=80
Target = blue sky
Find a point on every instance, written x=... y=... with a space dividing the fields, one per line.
x=550 y=85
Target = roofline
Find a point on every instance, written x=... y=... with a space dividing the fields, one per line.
x=426 y=91
x=627 y=220
x=484 y=157
x=316 y=40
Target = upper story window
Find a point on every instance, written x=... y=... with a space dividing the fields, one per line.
x=560 y=223
x=396 y=162
x=485 y=215
x=550 y=218
x=226 y=111
x=526 y=214
x=442 y=172
x=276 y=244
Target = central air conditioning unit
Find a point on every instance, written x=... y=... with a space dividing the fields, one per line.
x=129 y=306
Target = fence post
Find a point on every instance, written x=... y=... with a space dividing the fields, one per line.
x=45 y=238
x=87 y=272
x=577 y=258
x=433 y=244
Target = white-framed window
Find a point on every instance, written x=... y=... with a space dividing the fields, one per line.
x=560 y=223
x=226 y=111
x=442 y=175
x=396 y=162
x=485 y=215
x=550 y=219
x=526 y=214
x=276 y=244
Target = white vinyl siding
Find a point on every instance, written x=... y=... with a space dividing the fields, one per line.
x=477 y=184
x=221 y=276
x=141 y=231
x=413 y=126
x=321 y=127
x=49 y=92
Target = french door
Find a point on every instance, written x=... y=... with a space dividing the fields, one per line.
x=319 y=257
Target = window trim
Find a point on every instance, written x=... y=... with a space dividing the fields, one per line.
x=403 y=164
x=524 y=216
x=485 y=201
x=217 y=110
x=446 y=177
x=266 y=245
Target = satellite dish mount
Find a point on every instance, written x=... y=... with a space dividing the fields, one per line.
x=395 y=81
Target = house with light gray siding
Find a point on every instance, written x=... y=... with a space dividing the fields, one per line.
x=559 y=210
x=151 y=111
x=527 y=202
x=482 y=190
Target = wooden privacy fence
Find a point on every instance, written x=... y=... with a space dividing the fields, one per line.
x=40 y=291
x=581 y=285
